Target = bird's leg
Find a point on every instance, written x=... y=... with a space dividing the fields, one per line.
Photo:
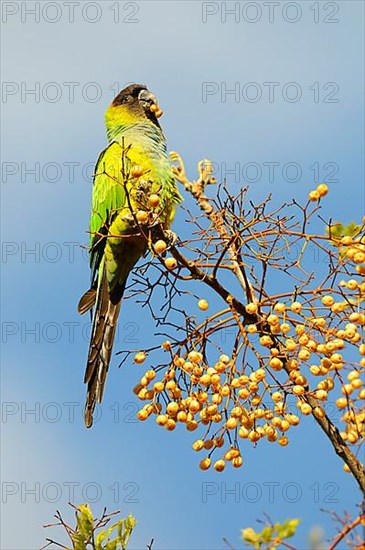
x=170 y=237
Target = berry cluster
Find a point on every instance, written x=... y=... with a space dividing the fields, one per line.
x=312 y=346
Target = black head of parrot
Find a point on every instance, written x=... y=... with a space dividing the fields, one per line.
x=137 y=102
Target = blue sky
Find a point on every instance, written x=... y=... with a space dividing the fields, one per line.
x=120 y=463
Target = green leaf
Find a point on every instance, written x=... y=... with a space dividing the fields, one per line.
x=85 y=520
x=111 y=545
x=338 y=230
x=251 y=537
x=79 y=541
x=125 y=529
x=266 y=534
x=288 y=528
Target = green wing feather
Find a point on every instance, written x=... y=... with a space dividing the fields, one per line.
x=108 y=196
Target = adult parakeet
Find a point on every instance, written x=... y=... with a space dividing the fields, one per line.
x=132 y=168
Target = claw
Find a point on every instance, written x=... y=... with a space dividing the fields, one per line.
x=170 y=237
x=206 y=170
x=179 y=169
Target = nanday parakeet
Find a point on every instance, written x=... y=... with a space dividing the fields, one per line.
x=133 y=166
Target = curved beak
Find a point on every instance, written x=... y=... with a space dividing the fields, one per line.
x=151 y=102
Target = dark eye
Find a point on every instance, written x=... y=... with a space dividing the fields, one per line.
x=126 y=99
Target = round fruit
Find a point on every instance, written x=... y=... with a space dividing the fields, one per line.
x=314 y=196
x=140 y=357
x=142 y=414
x=219 y=465
x=251 y=308
x=322 y=189
x=136 y=171
x=205 y=464
x=170 y=263
x=142 y=216
x=160 y=246
x=153 y=201
x=203 y=305
x=198 y=445
x=296 y=307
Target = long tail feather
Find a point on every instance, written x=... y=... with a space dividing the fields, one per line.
x=100 y=350
x=87 y=301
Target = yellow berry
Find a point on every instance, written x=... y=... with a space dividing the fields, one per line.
x=181 y=416
x=273 y=319
x=306 y=409
x=237 y=462
x=251 y=308
x=314 y=196
x=359 y=257
x=194 y=406
x=277 y=396
x=195 y=357
x=304 y=354
x=322 y=189
x=136 y=171
x=172 y=408
x=140 y=357
x=225 y=390
x=161 y=419
x=321 y=395
x=279 y=307
x=290 y=344
x=260 y=374
x=276 y=364
x=191 y=426
x=243 y=432
x=347 y=240
x=253 y=436
x=285 y=425
x=285 y=328
x=219 y=442
x=296 y=307
x=219 y=465
x=198 y=445
x=327 y=300
x=170 y=263
x=266 y=341
x=153 y=201
x=315 y=369
x=203 y=305
x=142 y=216
x=142 y=414
x=347 y=389
x=232 y=423
x=160 y=246
x=205 y=464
